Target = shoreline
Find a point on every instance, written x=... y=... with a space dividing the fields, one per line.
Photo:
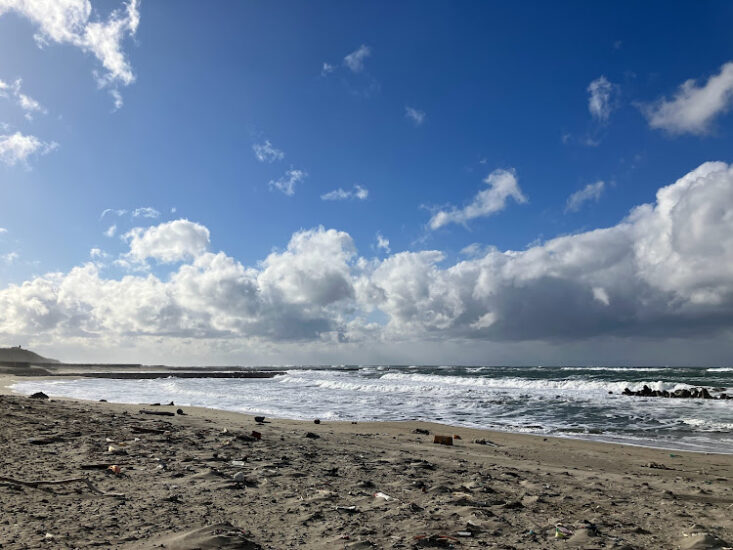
x=5 y=389
x=306 y=485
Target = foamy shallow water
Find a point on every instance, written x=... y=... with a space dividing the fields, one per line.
x=560 y=401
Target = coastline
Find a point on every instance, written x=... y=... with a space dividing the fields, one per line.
x=297 y=490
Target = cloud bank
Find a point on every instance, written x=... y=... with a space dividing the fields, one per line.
x=666 y=270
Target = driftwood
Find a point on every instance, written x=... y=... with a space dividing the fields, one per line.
x=36 y=484
x=157 y=413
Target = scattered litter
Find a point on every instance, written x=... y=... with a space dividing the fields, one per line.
x=348 y=509
x=485 y=442
x=115 y=450
x=311 y=435
x=259 y=419
x=562 y=532
x=316 y=421
x=237 y=462
x=464 y=534
x=180 y=412
x=256 y=435
x=38 y=395
x=115 y=469
x=421 y=431
x=456 y=436
x=440 y=541
x=382 y=496
x=656 y=466
x=443 y=439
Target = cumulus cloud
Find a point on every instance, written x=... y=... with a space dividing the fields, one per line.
x=71 y=22
x=599 y=98
x=111 y=231
x=665 y=270
x=694 y=107
x=286 y=184
x=168 y=242
x=355 y=60
x=502 y=185
x=358 y=192
x=18 y=148
x=265 y=152
x=591 y=192
x=415 y=115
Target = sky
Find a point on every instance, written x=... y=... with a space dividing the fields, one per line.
x=367 y=182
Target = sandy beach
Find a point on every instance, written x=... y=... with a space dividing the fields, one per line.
x=206 y=479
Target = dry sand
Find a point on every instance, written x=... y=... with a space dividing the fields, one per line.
x=200 y=480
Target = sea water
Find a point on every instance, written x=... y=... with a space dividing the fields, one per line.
x=579 y=402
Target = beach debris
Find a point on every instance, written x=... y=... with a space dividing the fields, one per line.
x=311 y=435
x=115 y=450
x=256 y=435
x=562 y=532
x=180 y=412
x=259 y=419
x=317 y=421
x=115 y=469
x=157 y=413
x=348 y=509
x=456 y=436
x=464 y=534
x=656 y=466
x=103 y=401
x=171 y=404
x=38 y=395
x=237 y=463
x=421 y=431
x=382 y=496
x=443 y=439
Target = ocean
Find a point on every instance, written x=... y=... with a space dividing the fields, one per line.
x=576 y=402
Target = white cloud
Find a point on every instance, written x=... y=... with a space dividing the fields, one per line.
x=415 y=115
x=3 y=230
x=355 y=60
x=666 y=270
x=17 y=148
x=106 y=211
x=168 y=242
x=591 y=192
x=24 y=101
x=327 y=69
x=265 y=152
x=694 y=107
x=117 y=98
x=599 y=100
x=145 y=212
x=111 y=231
x=502 y=185
x=383 y=243
x=287 y=183
x=70 y=22
x=359 y=192
x=9 y=258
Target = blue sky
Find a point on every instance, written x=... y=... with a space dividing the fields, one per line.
x=410 y=131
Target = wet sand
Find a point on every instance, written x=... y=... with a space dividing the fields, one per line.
x=202 y=480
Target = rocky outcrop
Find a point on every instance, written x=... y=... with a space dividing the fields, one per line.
x=694 y=393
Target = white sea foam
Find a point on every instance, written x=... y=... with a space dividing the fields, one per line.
x=721 y=369
x=579 y=405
